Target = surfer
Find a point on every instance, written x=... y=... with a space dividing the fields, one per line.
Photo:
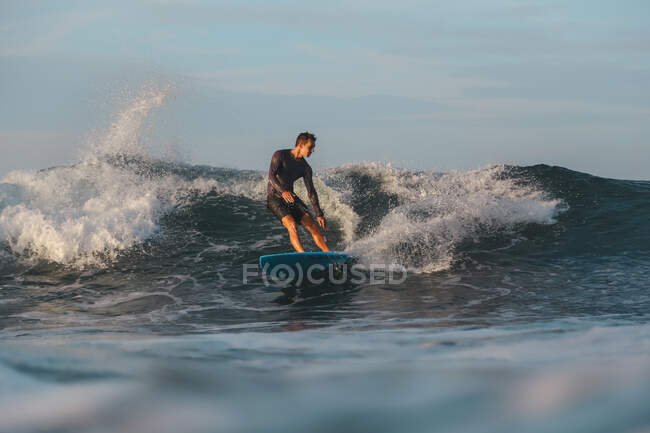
x=288 y=165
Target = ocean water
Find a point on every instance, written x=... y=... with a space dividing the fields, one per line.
x=123 y=307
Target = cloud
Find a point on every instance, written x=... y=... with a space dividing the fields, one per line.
x=346 y=73
x=57 y=28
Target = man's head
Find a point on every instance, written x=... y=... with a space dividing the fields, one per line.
x=305 y=143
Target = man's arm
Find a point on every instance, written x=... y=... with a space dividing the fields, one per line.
x=311 y=191
x=273 y=172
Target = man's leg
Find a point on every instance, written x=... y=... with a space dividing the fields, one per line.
x=313 y=228
x=292 y=227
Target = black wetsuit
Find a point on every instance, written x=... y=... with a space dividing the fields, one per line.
x=283 y=172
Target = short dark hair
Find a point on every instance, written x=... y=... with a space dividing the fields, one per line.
x=304 y=137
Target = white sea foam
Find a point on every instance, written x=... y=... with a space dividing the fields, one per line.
x=440 y=210
x=333 y=204
x=85 y=214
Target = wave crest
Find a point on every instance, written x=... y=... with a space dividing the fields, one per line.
x=436 y=212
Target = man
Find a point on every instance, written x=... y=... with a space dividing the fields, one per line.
x=288 y=165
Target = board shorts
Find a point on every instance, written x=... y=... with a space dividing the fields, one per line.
x=281 y=208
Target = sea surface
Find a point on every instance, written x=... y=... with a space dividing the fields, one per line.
x=123 y=307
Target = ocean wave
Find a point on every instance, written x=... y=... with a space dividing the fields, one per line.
x=435 y=212
x=119 y=195
x=85 y=214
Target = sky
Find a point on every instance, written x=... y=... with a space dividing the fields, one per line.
x=434 y=85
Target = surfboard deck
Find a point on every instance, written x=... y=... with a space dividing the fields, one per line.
x=305 y=259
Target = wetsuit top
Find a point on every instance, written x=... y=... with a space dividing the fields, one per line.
x=285 y=170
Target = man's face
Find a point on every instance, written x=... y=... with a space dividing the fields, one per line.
x=307 y=148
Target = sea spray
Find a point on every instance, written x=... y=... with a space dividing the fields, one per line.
x=126 y=134
x=87 y=213
x=435 y=212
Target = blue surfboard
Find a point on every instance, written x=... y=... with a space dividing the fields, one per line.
x=306 y=269
x=305 y=259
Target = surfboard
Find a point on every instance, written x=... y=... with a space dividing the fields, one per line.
x=304 y=270
x=305 y=259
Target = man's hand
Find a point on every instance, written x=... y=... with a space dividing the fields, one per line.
x=322 y=222
x=287 y=196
